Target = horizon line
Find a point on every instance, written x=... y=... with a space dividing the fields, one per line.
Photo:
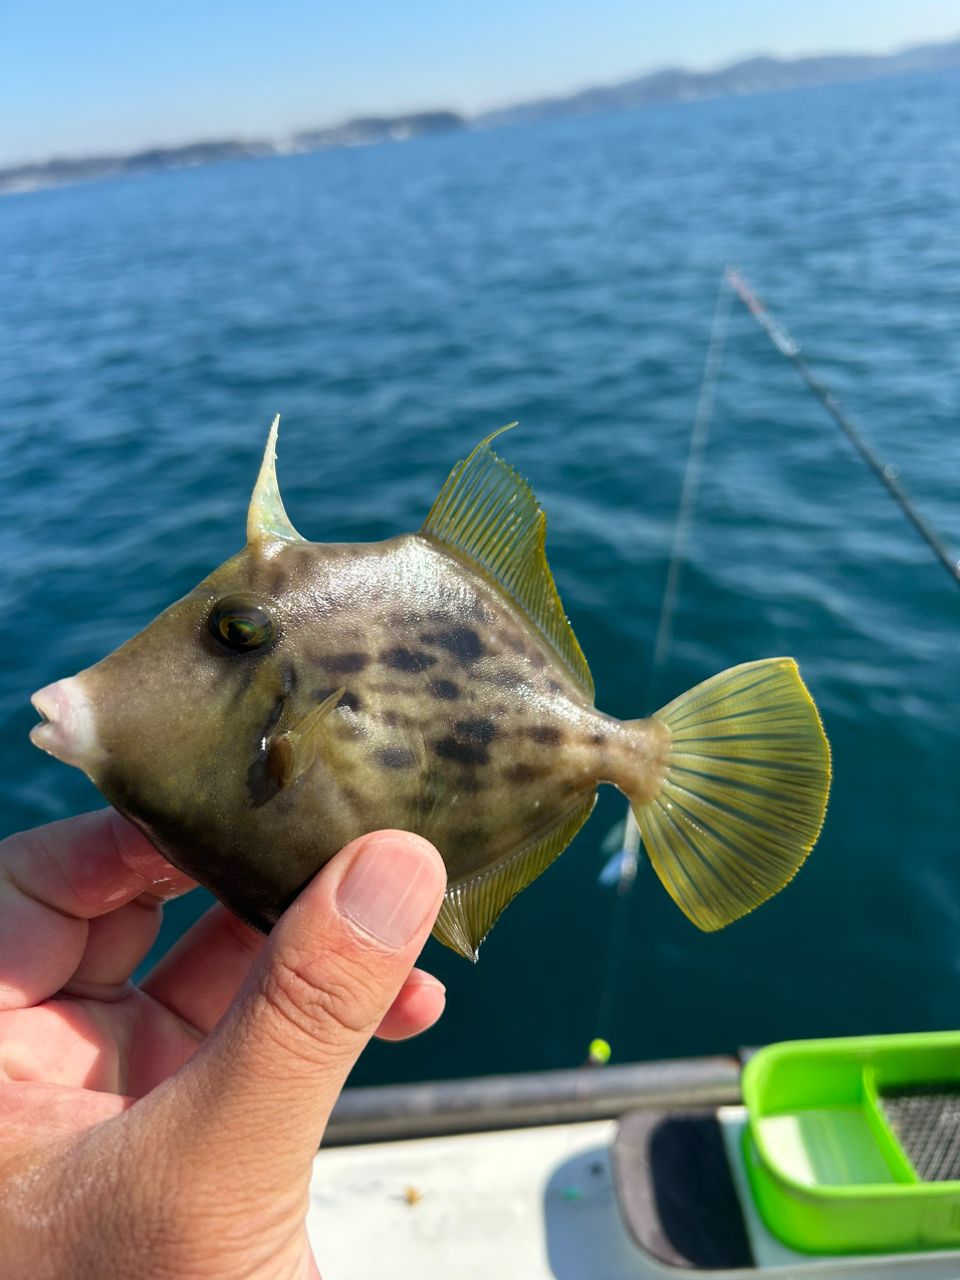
x=276 y=140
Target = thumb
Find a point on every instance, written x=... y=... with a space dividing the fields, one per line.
x=258 y=1093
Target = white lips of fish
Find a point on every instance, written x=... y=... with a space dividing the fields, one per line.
x=69 y=729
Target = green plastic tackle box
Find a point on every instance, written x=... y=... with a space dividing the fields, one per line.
x=853 y=1145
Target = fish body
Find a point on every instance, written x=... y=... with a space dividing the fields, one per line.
x=306 y=693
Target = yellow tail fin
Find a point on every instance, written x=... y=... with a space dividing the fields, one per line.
x=744 y=794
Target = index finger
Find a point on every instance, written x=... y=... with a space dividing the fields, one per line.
x=53 y=881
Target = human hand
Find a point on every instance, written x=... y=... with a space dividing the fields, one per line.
x=168 y=1130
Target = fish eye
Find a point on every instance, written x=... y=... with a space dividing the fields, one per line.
x=241 y=624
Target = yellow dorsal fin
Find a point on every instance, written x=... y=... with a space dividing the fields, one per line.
x=487 y=512
x=470 y=909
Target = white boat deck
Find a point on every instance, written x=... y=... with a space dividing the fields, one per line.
x=526 y=1204
x=519 y=1204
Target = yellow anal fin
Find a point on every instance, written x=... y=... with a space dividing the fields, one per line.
x=487 y=512
x=470 y=909
x=744 y=794
x=293 y=752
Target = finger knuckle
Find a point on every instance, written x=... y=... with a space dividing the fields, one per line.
x=320 y=1003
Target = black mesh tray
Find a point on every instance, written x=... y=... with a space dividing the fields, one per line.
x=926 y=1120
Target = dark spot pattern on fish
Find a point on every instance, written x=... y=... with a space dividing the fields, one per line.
x=445 y=690
x=395 y=758
x=522 y=773
x=470 y=781
x=513 y=640
x=351 y=700
x=241 y=672
x=402 y=619
x=394 y=718
x=474 y=837
x=480 y=730
x=462 y=643
x=451 y=748
x=471 y=608
x=276 y=577
x=597 y=739
x=353 y=797
x=547 y=735
x=412 y=660
x=346 y=663
x=505 y=678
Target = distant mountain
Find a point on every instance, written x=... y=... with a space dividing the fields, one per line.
x=368 y=129
x=673 y=84
x=754 y=75
x=55 y=173
x=353 y=133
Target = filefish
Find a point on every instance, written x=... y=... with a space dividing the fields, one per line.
x=305 y=693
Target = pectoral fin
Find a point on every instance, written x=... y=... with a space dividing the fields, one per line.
x=293 y=752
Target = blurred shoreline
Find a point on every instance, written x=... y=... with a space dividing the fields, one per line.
x=743 y=78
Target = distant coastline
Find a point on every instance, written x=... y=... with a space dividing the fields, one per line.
x=673 y=84
x=750 y=76
x=363 y=131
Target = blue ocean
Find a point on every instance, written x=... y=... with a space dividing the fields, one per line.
x=398 y=303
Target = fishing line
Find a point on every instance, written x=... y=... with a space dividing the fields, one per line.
x=599 y=1049
x=885 y=473
x=691 y=484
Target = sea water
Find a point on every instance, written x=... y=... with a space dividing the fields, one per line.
x=398 y=303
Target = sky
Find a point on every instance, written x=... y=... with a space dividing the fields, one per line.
x=85 y=77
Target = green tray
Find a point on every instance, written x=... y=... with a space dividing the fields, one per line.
x=853 y=1145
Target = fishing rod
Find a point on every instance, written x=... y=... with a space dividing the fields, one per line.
x=732 y=282
x=886 y=473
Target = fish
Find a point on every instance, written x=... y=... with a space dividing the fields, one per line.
x=306 y=693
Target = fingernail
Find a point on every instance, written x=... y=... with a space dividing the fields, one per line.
x=388 y=889
x=419 y=979
x=128 y=891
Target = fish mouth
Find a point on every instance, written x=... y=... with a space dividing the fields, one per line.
x=67 y=728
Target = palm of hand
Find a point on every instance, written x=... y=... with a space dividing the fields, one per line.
x=94 y=1070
